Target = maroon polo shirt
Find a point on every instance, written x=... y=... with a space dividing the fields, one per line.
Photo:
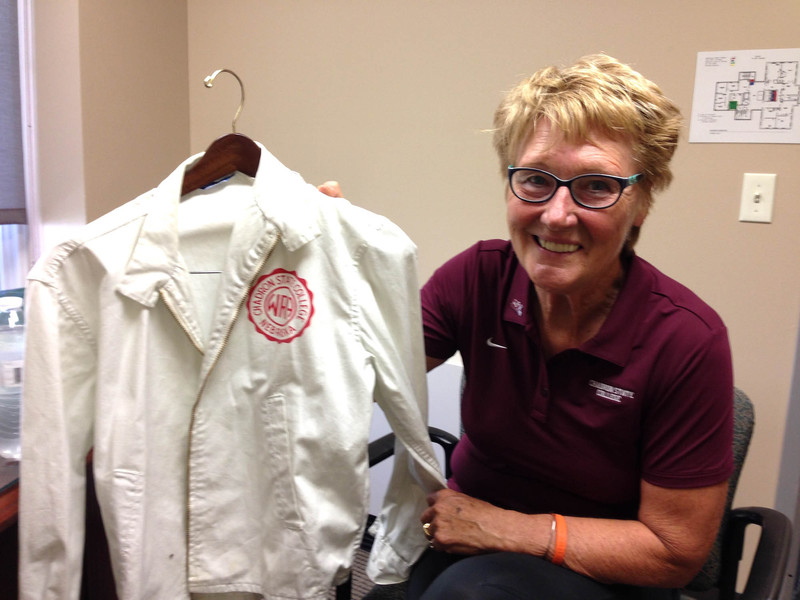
x=649 y=397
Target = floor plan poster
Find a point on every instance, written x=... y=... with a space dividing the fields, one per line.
x=747 y=96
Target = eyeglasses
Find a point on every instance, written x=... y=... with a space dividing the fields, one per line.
x=593 y=190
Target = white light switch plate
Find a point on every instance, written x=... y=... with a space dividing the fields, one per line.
x=758 y=196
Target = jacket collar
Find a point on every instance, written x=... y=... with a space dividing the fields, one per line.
x=281 y=197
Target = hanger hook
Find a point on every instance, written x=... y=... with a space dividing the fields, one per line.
x=209 y=82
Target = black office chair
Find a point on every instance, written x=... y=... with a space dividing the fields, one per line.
x=717 y=579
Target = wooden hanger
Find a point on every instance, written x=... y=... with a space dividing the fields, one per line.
x=226 y=155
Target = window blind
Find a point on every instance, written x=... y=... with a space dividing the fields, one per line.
x=12 y=181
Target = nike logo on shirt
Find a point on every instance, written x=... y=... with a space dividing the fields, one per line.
x=491 y=344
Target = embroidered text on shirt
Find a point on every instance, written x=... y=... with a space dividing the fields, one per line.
x=610 y=392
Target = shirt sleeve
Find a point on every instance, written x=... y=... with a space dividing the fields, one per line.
x=444 y=301
x=688 y=427
x=56 y=437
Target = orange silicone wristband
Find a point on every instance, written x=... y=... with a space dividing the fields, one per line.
x=561 y=540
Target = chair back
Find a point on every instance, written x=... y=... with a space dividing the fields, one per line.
x=743 y=422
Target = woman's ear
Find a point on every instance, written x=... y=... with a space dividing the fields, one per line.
x=642 y=210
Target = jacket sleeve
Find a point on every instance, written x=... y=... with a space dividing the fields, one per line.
x=392 y=334
x=56 y=437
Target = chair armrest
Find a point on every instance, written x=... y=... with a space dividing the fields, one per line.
x=383 y=447
x=768 y=570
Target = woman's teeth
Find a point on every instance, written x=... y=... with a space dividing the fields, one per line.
x=554 y=247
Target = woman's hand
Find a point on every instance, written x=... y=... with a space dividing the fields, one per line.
x=464 y=525
x=331 y=188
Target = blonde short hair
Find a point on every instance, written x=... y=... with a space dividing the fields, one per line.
x=598 y=94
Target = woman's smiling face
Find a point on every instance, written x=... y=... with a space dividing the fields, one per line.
x=565 y=248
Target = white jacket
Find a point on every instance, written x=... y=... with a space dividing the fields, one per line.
x=229 y=412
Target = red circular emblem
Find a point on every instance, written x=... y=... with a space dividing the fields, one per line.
x=280 y=305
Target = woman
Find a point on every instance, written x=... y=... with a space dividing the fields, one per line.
x=596 y=387
x=597 y=410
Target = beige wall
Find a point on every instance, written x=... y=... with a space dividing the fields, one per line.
x=392 y=97
x=111 y=105
x=135 y=97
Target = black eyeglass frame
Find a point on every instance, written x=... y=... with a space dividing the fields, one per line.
x=624 y=182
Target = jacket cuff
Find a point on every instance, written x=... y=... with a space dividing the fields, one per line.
x=386 y=565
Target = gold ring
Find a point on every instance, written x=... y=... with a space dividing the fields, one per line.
x=426 y=529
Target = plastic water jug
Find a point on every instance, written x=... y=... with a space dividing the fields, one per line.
x=12 y=340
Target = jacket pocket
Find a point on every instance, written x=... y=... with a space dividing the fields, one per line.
x=279 y=450
x=290 y=540
x=126 y=524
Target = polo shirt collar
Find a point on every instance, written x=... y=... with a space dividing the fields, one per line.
x=617 y=336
